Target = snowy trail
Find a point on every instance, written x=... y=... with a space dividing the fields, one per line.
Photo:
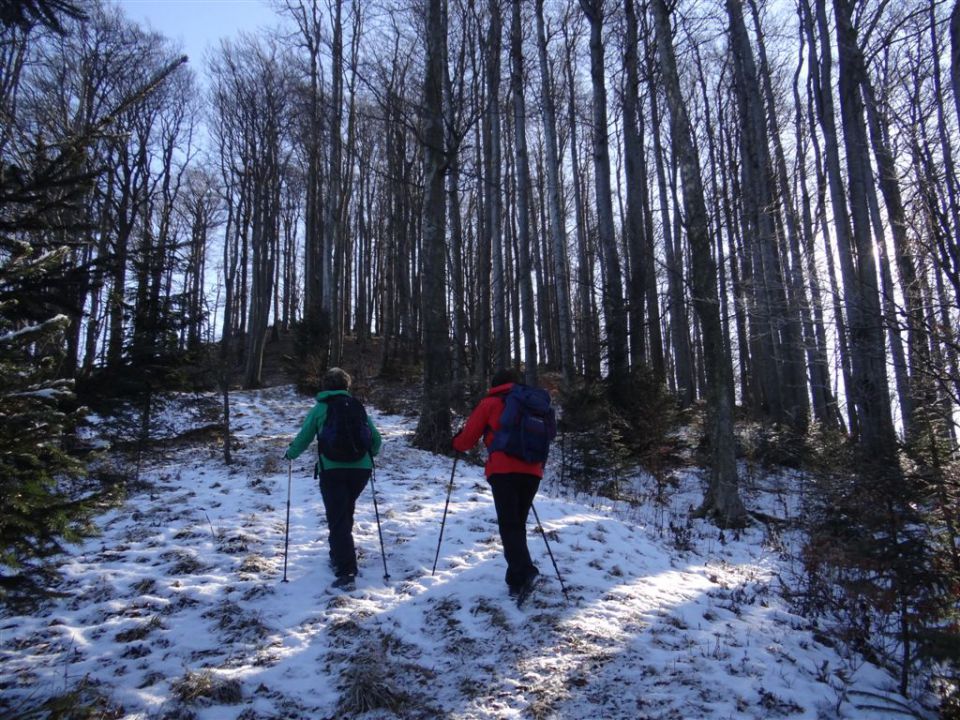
x=178 y=611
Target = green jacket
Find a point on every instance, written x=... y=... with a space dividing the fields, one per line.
x=312 y=426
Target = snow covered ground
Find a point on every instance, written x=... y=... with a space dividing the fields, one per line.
x=178 y=610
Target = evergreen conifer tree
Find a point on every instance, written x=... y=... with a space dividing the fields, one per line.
x=41 y=504
x=43 y=499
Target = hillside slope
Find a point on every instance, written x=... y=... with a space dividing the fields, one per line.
x=178 y=609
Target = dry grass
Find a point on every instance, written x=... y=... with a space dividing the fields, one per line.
x=368 y=687
x=139 y=632
x=84 y=701
x=184 y=563
x=236 y=624
x=205 y=688
x=493 y=611
x=272 y=464
x=256 y=565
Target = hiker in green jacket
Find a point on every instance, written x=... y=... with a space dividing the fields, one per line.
x=347 y=441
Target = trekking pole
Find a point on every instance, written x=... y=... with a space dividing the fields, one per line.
x=563 y=455
x=444 y=521
x=376 y=511
x=549 y=551
x=286 y=531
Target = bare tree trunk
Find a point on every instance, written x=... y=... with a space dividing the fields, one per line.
x=681 y=260
x=839 y=314
x=433 y=428
x=225 y=365
x=558 y=233
x=722 y=501
x=866 y=335
x=824 y=404
x=822 y=78
x=651 y=291
x=633 y=168
x=394 y=230
x=365 y=232
x=454 y=102
x=264 y=244
x=482 y=316
x=129 y=202
x=776 y=363
x=287 y=268
x=795 y=314
x=728 y=184
x=950 y=245
x=306 y=14
x=512 y=253
x=494 y=200
x=589 y=350
x=546 y=306
x=332 y=210
x=910 y=388
x=614 y=314
x=679 y=328
x=713 y=135
x=525 y=269
x=955 y=55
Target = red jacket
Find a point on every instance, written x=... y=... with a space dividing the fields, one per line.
x=485 y=421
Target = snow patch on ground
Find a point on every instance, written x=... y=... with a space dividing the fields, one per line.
x=179 y=609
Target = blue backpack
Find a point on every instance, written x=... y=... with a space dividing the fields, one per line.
x=345 y=435
x=527 y=425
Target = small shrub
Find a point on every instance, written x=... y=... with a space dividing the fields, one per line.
x=635 y=428
x=880 y=564
x=772 y=446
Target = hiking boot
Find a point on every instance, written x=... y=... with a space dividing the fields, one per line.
x=345 y=582
x=524 y=587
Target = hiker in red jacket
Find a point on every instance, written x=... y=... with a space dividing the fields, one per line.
x=513 y=481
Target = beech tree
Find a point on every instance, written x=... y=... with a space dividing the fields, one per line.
x=557 y=232
x=614 y=315
x=433 y=428
x=722 y=500
x=524 y=241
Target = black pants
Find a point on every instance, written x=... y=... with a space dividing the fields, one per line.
x=513 y=495
x=340 y=488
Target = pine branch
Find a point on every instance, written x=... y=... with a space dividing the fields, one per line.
x=28 y=13
x=65 y=171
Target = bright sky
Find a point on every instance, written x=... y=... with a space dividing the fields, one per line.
x=200 y=24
